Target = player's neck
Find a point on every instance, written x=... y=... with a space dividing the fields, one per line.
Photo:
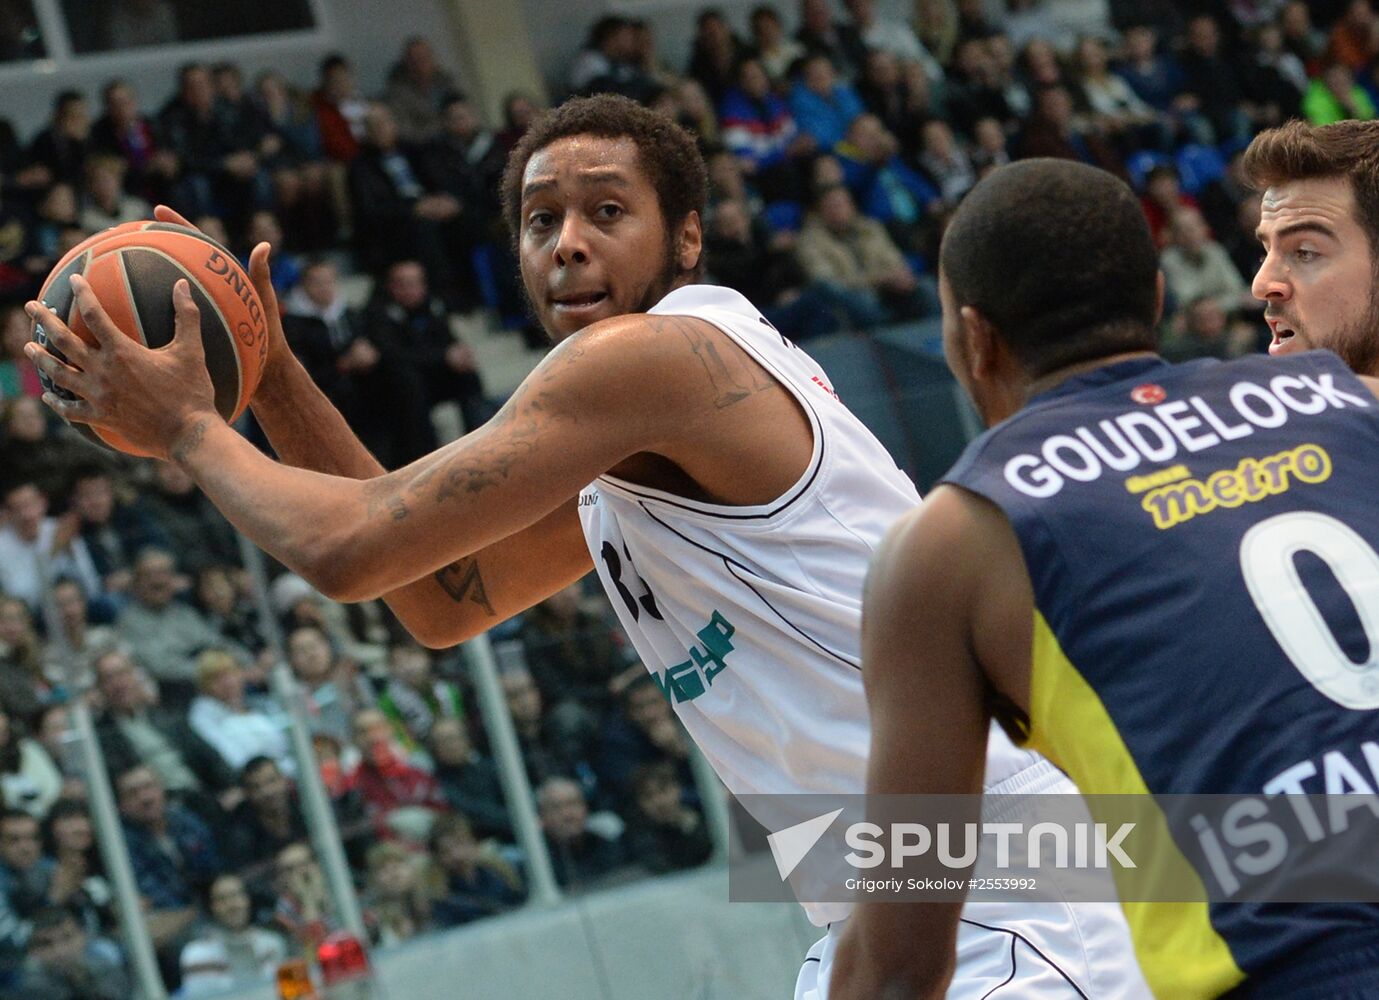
x=1054 y=378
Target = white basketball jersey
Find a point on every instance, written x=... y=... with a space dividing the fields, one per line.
x=749 y=618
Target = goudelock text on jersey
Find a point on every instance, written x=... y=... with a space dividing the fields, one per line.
x=1204 y=553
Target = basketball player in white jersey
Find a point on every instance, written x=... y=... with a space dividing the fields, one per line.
x=672 y=440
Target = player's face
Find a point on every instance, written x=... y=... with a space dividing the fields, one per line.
x=1317 y=276
x=593 y=242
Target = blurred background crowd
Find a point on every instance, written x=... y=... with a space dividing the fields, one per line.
x=838 y=142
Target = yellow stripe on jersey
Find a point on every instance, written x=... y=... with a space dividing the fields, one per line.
x=1181 y=954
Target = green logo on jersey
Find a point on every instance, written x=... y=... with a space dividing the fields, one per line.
x=687 y=681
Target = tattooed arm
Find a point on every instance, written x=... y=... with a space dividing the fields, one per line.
x=461 y=520
x=458 y=600
x=670 y=388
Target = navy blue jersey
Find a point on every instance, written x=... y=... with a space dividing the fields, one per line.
x=1203 y=545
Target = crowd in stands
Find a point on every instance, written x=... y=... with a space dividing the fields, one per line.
x=200 y=760
x=838 y=142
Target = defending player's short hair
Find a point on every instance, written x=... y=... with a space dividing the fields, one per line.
x=1057 y=255
x=1297 y=151
x=666 y=153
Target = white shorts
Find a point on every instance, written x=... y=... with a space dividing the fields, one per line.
x=1022 y=951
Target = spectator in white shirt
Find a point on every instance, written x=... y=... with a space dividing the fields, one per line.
x=221 y=717
x=242 y=953
x=30 y=536
x=29 y=780
x=776 y=51
x=1116 y=109
x=946 y=161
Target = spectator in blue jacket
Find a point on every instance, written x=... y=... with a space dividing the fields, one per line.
x=67 y=963
x=114 y=532
x=476 y=883
x=171 y=850
x=758 y=127
x=823 y=106
x=885 y=188
x=25 y=879
x=1157 y=79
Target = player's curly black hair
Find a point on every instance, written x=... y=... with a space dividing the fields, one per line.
x=667 y=153
x=1057 y=255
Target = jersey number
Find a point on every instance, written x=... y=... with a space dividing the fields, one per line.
x=647 y=601
x=1267 y=562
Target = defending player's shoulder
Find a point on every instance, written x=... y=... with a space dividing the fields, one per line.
x=941 y=540
x=1371 y=383
x=952 y=568
x=922 y=569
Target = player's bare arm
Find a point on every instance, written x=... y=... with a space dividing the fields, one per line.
x=649 y=396
x=942 y=602
x=459 y=600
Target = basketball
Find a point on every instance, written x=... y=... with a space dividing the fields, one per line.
x=132 y=269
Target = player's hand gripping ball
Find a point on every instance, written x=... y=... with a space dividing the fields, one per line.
x=132 y=269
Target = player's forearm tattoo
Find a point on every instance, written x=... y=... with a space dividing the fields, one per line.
x=468 y=479
x=381 y=495
x=509 y=438
x=189 y=441
x=462 y=581
x=421 y=479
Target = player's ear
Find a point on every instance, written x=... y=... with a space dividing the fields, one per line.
x=980 y=336
x=691 y=242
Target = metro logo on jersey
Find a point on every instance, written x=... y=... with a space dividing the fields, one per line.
x=1252 y=480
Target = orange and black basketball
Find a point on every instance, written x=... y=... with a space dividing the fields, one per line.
x=132 y=269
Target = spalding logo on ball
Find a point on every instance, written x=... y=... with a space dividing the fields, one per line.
x=132 y=269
